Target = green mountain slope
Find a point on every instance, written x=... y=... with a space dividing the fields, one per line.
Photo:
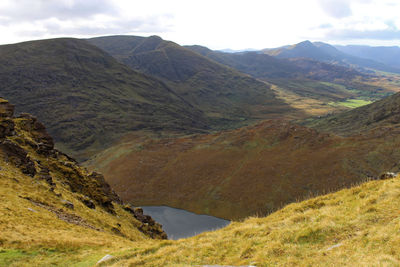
x=86 y=97
x=227 y=97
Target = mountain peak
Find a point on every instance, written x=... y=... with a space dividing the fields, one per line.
x=305 y=43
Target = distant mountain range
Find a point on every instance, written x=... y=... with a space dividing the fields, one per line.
x=350 y=56
x=387 y=55
x=302 y=78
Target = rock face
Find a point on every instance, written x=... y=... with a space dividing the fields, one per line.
x=6 y=109
x=6 y=127
x=387 y=175
x=148 y=224
x=18 y=157
x=43 y=140
x=25 y=143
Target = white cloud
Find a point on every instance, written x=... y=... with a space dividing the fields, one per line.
x=217 y=24
x=336 y=8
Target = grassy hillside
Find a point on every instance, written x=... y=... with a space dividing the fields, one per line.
x=52 y=208
x=251 y=170
x=227 y=97
x=85 y=97
x=354 y=227
x=380 y=115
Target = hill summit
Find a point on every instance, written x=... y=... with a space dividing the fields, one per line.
x=86 y=98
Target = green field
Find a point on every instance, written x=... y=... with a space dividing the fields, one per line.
x=351 y=103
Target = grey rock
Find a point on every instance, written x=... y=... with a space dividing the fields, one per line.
x=68 y=204
x=105 y=258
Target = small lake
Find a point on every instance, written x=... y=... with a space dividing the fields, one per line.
x=178 y=223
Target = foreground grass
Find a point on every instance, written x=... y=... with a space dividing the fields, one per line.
x=354 y=227
x=33 y=236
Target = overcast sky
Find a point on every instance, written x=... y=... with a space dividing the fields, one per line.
x=217 y=24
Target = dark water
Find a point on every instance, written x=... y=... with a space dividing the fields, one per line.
x=179 y=223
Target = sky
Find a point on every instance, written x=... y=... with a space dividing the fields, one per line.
x=217 y=24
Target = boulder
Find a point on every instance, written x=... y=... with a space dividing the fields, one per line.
x=18 y=157
x=68 y=204
x=44 y=174
x=88 y=203
x=6 y=127
x=44 y=142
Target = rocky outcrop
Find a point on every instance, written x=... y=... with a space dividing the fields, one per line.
x=149 y=226
x=387 y=175
x=43 y=141
x=18 y=156
x=6 y=128
x=25 y=143
x=6 y=109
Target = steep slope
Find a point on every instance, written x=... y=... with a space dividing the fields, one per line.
x=49 y=204
x=380 y=114
x=328 y=53
x=86 y=97
x=354 y=227
x=388 y=55
x=252 y=170
x=227 y=97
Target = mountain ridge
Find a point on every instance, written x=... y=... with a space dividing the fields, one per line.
x=215 y=89
x=388 y=55
x=88 y=99
x=327 y=53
